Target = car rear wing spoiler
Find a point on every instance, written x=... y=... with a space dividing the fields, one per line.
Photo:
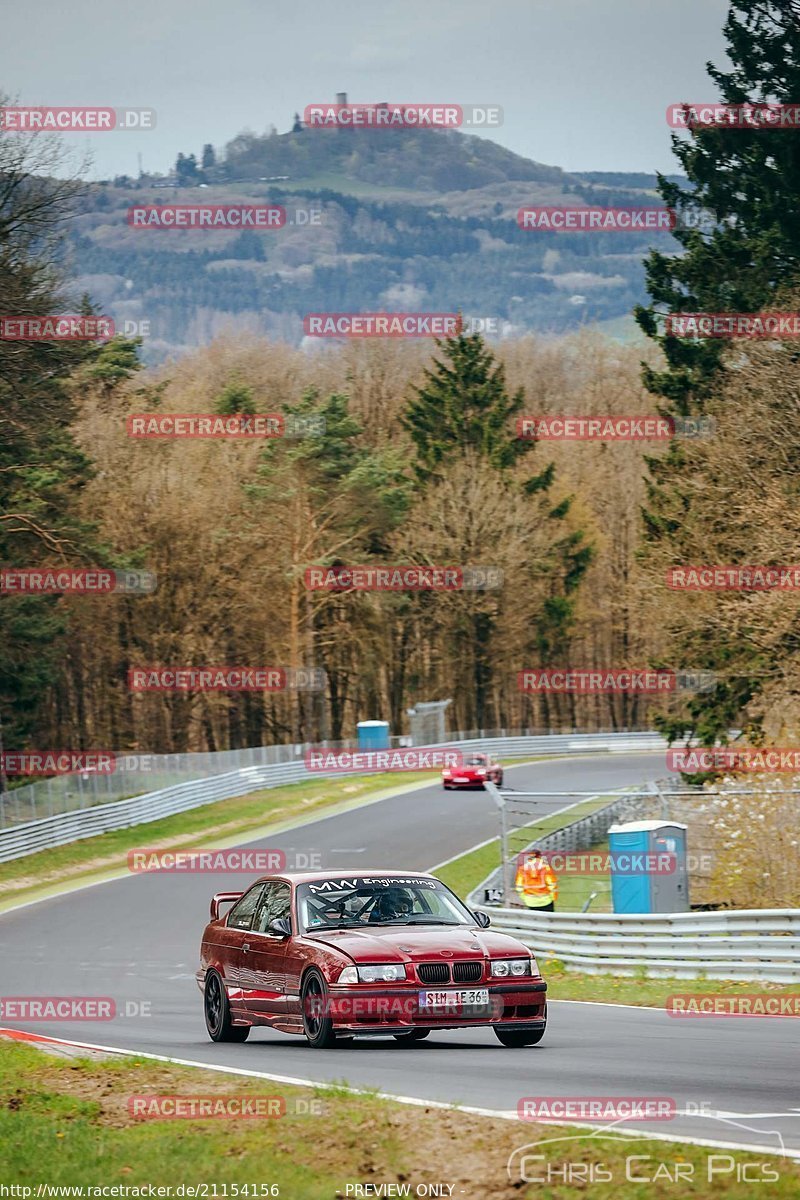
x=222 y=898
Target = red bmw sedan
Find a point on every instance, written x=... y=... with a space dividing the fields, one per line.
x=335 y=955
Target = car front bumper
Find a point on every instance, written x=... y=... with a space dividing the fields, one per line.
x=365 y=1008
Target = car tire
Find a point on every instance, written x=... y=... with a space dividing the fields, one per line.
x=413 y=1035
x=217 y=1012
x=515 y=1039
x=319 y=1029
x=499 y=780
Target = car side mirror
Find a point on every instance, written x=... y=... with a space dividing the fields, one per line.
x=483 y=919
x=280 y=927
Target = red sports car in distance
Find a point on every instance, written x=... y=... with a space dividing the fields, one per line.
x=474 y=770
x=334 y=955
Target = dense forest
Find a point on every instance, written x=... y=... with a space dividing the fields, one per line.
x=415 y=459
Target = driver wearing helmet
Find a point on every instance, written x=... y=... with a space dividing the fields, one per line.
x=391 y=905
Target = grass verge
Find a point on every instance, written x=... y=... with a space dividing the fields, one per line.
x=67 y=1123
x=638 y=989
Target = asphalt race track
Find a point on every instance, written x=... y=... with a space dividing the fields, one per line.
x=136 y=940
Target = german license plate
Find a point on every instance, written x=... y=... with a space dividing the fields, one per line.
x=451 y=997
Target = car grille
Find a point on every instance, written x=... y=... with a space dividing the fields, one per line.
x=434 y=972
x=467 y=972
x=463 y=972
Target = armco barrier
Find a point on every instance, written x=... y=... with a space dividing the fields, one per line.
x=88 y=822
x=22 y=839
x=573 y=836
x=749 y=944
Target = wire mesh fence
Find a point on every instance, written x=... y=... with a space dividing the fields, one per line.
x=583 y=821
x=137 y=773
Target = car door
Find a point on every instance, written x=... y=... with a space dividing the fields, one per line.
x=263 y=969
x=229 y=939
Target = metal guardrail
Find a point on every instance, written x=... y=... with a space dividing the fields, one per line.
x=748 y=944
x=573 y=836
x=21 y=840
x=136 y=773
x=29 y=837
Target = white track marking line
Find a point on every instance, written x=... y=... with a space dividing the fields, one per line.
x=415 y=1101
x=610 y=1004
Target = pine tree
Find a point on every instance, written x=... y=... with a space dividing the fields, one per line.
x=235 y=398
x=465 y=412
x=747 y=261
x=749 y=181
x=42 y=470
x=465 y=405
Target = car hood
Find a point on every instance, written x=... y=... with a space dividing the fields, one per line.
x=420 y=943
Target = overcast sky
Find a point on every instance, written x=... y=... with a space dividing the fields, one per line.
x=584 y=84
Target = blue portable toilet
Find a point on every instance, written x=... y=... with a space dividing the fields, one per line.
x=638 y=885
x=373 y=735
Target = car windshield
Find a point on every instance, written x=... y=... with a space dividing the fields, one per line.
x=475 y=760
x=356 y=901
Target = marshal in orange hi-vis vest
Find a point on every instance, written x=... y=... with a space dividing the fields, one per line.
x=536 y=882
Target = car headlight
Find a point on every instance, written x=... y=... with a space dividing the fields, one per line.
x=512 y=966
x=382 y=973
x=348 y=975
